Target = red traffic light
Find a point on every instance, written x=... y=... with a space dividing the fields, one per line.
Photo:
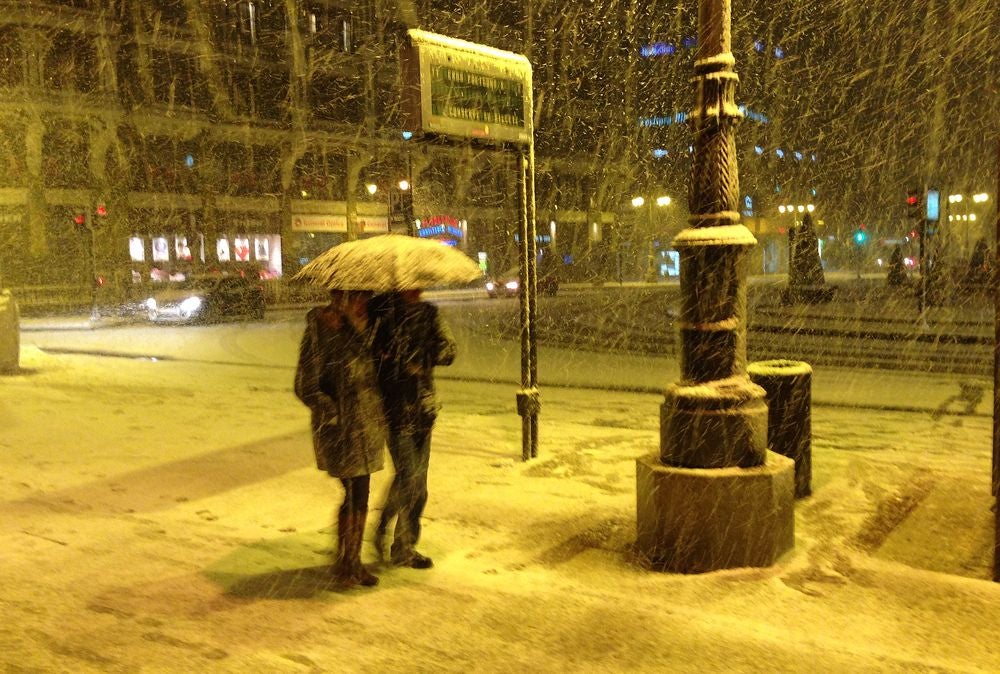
x=101 y=210
x=912 y=200
x=80 y=219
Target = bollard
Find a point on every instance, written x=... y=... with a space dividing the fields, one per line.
x=10 y=334
x=788 y=388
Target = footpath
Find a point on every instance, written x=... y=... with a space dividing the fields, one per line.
x=164 y=516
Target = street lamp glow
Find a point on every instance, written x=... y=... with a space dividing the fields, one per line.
x=404 y=185
x=972 y=217
x=981 y=197
x=638 y=201
x=954 y=198
x=781 y=209
x=662 y=201
x=810 y=208
x=802 y=208
x=372 y=188
x=789 y=208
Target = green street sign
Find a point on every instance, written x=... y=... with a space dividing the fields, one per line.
x=462 y=89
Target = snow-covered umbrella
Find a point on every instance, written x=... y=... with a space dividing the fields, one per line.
x=390 y=262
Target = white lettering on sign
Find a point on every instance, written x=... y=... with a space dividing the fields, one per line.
x=338 y=223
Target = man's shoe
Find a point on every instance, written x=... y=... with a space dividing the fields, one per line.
x=412 y=559
x=418 y=561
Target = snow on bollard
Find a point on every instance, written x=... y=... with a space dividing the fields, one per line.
x=788 y=384
x=10 y=334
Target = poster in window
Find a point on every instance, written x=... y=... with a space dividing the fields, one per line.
x=222 y=250
x=241 y=249
x=261 y=248
x=161 y=253
x=136 y=249
x=181 y=247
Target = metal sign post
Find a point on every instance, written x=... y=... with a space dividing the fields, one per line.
x=458 y=89
x=995 y=475
x=528 y=404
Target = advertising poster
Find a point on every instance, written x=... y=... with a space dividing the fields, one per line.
x=161 y=253
x=261 y=248
x=241 y=249
x=181 y=248
x=222 y=250
x=136 y=249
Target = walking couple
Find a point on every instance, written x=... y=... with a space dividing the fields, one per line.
x=365 y=371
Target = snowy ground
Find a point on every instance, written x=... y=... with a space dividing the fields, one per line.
x=165 y=516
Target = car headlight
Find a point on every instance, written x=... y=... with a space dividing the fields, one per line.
x=511 y=285
x=190 y=305
x=151 y=304
x=490 y=286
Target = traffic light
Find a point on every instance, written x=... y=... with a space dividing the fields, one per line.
x=914 y=204
x=861 y=235
x=79 y=219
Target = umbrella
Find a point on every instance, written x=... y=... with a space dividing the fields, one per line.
x=390 y=262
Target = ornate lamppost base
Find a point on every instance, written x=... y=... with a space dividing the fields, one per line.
x=714 y=425
x=694 y=520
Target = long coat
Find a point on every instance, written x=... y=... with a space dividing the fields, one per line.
x=335 y=378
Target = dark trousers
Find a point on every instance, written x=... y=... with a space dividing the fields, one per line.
x=411 y=451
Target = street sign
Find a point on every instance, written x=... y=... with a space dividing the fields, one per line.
x=456 y=88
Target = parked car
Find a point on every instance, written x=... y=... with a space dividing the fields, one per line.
x=207 y=299
x=508 y=284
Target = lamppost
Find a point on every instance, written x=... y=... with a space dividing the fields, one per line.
x=792 y=209
x=713 y=497
x=406 y=205
x=796 y=213
x=400 y=205
x=659 y=202
x=966 y=216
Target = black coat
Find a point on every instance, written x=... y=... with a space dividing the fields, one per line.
x=335 y=378
x=410 y=340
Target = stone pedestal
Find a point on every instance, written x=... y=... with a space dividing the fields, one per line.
x=10 y=334
x=694 y=520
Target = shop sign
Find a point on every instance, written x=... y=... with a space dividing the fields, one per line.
x=338 y=223
x=440 y=230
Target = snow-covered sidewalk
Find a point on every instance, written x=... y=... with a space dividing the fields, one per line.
x=165 y=516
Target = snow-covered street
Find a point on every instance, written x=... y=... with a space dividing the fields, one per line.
x=166 y=516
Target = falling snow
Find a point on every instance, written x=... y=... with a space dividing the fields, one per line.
x=158 y=506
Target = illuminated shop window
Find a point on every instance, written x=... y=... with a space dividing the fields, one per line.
x=137 y=249
x=241 y=249
x=161 y=251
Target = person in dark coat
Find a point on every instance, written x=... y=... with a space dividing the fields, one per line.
x=336 y=379
x=410 y=340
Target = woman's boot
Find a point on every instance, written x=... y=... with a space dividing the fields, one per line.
x=361 y=574
x=343 y=568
